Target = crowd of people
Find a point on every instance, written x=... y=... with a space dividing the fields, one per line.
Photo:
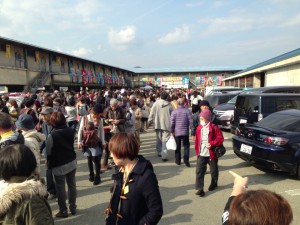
x=106 y=125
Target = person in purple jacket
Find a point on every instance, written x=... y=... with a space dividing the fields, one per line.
x=180 y=122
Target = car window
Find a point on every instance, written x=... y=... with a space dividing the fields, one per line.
x=281 y=122
x=233 y=100
x=248 y=104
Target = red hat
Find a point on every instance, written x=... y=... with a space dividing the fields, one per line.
x=206 y=113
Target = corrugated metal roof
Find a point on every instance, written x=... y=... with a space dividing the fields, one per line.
x=61 y=53
x=189 y=69
x=287 y=55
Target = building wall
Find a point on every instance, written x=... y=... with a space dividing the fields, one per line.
x=13 y=60
x=289 y=75
x=38 y=60
x=12 y=76
x=59 y=64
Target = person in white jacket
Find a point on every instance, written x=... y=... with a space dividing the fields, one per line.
x=32 y=138
x=93 y=154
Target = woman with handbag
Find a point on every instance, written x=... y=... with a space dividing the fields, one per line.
x=135 y=196
x=208 y=136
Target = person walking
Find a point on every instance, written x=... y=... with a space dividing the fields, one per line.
x=160 y=115
x=33 y=138
x=208 y=135
x=61 y=158
x=136 y=198
x=93 y=153
x=180 y=122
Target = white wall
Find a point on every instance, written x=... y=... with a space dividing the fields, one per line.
x=287 y=76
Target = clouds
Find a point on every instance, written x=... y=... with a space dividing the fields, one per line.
x=180 y=34
x=123 y=38
x=81 y=52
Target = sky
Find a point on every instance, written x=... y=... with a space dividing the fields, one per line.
x=157 y=33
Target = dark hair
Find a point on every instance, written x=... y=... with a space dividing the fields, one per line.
x=16 y=160
x=71 y=102
x=5 y=121
x=29 y=103
x=124 y=145
x=57 y=119
x=260 y=207
x=164 y=95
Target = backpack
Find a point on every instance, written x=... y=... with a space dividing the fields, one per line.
x=128 y=117
x=82 y=110
x=90 y=137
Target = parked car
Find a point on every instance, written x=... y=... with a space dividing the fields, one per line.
x=273 y=142
x=223 y=113
x=222 y=89
x=219 y=98
x=252 y=107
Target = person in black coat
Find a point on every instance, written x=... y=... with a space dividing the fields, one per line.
x=136 y=199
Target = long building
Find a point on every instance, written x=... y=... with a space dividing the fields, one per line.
x=26 y=67
x=29 y=67
x=281 y=70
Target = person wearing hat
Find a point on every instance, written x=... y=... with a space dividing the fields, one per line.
x=32 y=138
x=208 y=135
x=93 y=154
x=46 y=130
x=7 y=135
x=204 y=104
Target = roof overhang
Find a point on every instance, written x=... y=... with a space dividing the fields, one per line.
x=275 y=65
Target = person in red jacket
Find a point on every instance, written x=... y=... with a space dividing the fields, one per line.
x=208 y=135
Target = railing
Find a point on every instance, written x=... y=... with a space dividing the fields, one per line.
x=40 y=81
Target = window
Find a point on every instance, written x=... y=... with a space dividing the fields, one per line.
x=18 y=60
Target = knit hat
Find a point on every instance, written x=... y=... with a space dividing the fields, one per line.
x=25 y=122
x=204 y=102
x=206 y=113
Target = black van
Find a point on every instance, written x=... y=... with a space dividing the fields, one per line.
x=252 y=107
x=219 y=98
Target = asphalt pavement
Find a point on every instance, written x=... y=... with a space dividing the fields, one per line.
x=177 y=183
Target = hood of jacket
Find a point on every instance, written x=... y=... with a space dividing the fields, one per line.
x=34 y=134
x=163 y=103
x=11 y=193
x=16 y=136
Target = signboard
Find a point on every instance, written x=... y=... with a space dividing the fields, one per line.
x=63 y=88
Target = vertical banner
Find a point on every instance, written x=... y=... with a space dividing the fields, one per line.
x=202 y=81
x=7 y=51
x=37 y=56
x=58 y=61
x=215 y=79
x=220 y=78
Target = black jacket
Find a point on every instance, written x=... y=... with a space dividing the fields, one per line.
x=60 y=147
x=143 y=204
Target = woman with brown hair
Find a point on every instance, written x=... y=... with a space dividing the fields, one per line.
x=135 y=197
x=257 y=207
x=61 y=158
